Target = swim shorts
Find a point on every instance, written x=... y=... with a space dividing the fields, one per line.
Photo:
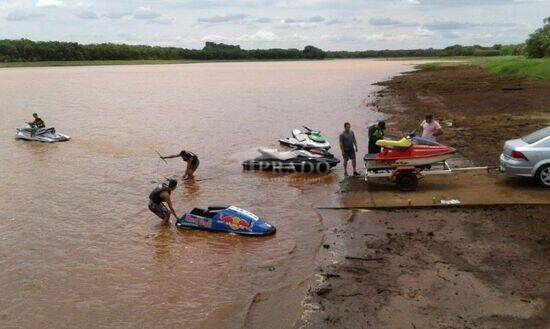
x=349 y=155
x=158 y=209
x=195 y=163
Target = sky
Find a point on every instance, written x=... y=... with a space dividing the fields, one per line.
x=328 y=24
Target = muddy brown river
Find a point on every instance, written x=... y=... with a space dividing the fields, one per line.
x=78 y=246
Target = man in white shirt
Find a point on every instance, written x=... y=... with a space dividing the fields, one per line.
x=431 y=129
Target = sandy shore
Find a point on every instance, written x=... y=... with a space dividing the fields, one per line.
x=485 y=267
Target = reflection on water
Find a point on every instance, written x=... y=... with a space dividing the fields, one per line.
x=78 y=247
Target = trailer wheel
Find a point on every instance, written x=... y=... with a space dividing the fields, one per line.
x=406 y=181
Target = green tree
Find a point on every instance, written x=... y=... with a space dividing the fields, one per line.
x=311 y=52
x=538 y=44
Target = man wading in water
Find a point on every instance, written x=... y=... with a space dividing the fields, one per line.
x=192 y=162
x=157 y=198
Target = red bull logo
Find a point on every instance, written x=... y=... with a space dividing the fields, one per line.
x=236 y=223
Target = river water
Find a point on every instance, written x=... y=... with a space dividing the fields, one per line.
x=78 y=246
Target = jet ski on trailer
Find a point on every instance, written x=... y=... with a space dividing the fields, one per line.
x=405 y=153
x=294 y=160
x=227 y=220
x=45 y=135
x=307 y=139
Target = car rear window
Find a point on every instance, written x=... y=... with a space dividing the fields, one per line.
x=536 y=136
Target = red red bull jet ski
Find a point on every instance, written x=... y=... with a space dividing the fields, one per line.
x=227 y=220
x=405 y=153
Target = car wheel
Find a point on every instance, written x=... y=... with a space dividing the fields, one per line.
x=543 y=176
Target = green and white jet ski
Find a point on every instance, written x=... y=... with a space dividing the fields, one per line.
x=307 y=139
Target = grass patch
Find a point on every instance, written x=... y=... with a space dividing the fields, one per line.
x=518 y=67
x=437 y=65
x=507 y=66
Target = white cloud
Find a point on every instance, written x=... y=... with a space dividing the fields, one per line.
x=222 y=18
x=21 y=15
x=117 y=14
x=422 y=32
x=146 y=13
x=49 y=3
x=161 y=21
x=259 y=36
x=87 y=14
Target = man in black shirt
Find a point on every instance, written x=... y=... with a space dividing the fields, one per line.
x=376 y=133
x=37 y=123
x=161 y=195
x=190 y=158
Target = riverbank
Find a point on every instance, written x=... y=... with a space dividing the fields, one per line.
x=447 y=268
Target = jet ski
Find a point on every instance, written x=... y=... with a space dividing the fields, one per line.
x=227 y=220
x=306 y=139
x=293 y=160
x=405 y=153
x=46 y=135
x=422 y=140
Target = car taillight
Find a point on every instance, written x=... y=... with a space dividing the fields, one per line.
x=519 y=156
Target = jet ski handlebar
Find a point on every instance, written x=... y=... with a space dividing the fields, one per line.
x=311 y=131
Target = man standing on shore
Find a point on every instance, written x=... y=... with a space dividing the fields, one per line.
x=376 y=133
x=431 y=129
x=348 y=146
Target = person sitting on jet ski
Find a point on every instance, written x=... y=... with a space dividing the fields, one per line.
x=190 y=158
x=37 y=123
x=160 y=195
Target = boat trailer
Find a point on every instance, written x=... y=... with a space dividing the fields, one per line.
x=406 y=177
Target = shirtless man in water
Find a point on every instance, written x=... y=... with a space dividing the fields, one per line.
x=190 y=158
x=161 y=195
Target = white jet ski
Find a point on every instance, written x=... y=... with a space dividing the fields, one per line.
x=45 y=135
x=294 y=160
x=307 y=139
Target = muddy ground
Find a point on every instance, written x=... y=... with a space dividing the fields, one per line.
x=483 y=267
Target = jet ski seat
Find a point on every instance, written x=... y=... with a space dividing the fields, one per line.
x=279 y=155
x=299 y=135
x=404 y=143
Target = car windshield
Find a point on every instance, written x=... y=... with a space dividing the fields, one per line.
x=536 y=136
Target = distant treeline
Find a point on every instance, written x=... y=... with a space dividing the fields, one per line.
x=24 y=50
x=456 y=50
x=31 y=51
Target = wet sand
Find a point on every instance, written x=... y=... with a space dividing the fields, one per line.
x=464 y=267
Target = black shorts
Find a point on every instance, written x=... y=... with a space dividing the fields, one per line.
x=194 y=163
x=349 y=155
x=158 y=209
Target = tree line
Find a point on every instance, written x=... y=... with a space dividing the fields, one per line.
x=23 y=50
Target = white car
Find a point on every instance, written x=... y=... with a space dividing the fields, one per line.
x=528 y=156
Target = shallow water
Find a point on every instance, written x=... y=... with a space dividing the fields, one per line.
x=78 y=247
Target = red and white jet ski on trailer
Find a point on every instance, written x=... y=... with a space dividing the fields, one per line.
x=405 y=162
